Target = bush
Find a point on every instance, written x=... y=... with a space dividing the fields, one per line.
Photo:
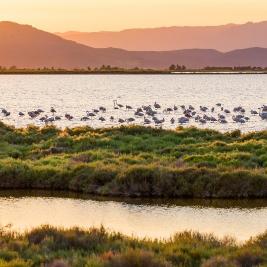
x=15 y=263
x=58 y=263
x=136 y=258
x=219 y=261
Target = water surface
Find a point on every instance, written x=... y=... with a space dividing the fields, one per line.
x=76 y=94
x=141 y=218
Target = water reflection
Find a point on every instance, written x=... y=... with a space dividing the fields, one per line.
x=168 y=202
x=139 y=217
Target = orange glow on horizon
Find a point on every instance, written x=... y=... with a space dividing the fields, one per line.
x=97 y=15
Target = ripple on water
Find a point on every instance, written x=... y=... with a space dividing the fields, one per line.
x=141 y=218
x=75 y=94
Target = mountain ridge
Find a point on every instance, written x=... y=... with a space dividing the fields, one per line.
x=25 y=46
x=223 y=37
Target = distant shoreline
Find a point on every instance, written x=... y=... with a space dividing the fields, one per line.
x=134 y=73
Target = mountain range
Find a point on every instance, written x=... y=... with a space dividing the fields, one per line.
x=28 y=47
x=223 y=38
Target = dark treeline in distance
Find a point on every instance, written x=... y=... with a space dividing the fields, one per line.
x=182 y=68
x=238 y=68
x=107 y=69
x=177 y=68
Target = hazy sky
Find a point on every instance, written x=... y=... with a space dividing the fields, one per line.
x=96 y=15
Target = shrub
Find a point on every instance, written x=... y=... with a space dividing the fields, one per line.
x=219 y=261
x=136 y=258
x=58 y=263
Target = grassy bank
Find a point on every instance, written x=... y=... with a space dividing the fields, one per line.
x=135 y=161
x=51 y=247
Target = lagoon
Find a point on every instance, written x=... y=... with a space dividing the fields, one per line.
x=142 y=218
x=76 y=94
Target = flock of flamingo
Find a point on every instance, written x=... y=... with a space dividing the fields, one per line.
x=152 y=114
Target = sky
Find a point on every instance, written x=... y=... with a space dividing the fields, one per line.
x=100 y=15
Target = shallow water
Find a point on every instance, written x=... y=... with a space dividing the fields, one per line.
x=76 y=94
x=138 y=217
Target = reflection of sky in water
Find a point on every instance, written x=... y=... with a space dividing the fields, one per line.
x=76 y=94
x=155 y=220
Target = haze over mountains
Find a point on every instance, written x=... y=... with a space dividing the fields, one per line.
x=223 y=38
x=27 y=47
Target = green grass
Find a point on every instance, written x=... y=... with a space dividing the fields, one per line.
x=48 y=246
x=135 y=161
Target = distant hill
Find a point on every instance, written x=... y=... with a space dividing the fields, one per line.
x=25 y=46
x=223 y=38
x=28 y=47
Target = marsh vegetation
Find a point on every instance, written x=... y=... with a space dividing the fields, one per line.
x=48 y=246
x=135 y=161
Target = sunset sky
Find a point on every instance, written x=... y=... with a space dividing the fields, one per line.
x=96 y=15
